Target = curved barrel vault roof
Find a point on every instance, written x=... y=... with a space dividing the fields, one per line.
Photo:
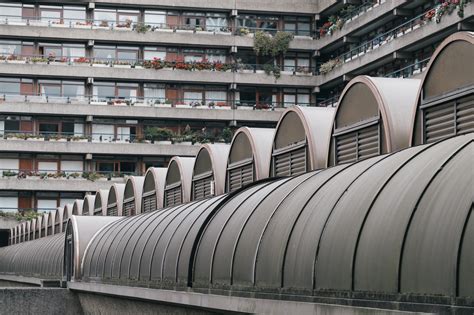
x=88 y=205
x=213 y=157
x=312 y=123
x=77 y=207
x=180 y=169
x=101 y=200
x=450 y=71
x=154 y=183
x=370 y=226
x=255 y=143
x=364 y=97
x=133 y=191
x=115 y=196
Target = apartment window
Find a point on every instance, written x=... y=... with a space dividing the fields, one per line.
x=50 y=13
x=62 y=14
x=193 y=55
x=154 y=92
x=298 y=62
x=10 y=86
x=216 y=55
x=8 y=48
x=121 y=53
x=247 y=21
x=127 y=90
x=194 y=19
x=293 y=97
x=60 y=51
x=298 y=25
x=193 y=97
x=44 y=205
x=10 y=10
x=74 y=15
x=119 y=18
x=122 y=167
x=108 y=90
x=216 y=22
x=150 y=53
x=57 y=88
x=155 y=18
x=47 y=166
x=126 y=133
x=217 y=97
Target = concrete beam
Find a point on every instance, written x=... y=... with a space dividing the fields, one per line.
x=63 y=185
x=350 y=39
x=132 y=37
x=141 y=149
x=223 y=303
x=141 y=112
x=165 y=75
x=402 y=55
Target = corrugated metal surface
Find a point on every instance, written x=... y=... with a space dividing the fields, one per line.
x=41 y=258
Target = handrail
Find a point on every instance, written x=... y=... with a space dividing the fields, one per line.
x=191 y=103
x=410 y=70
x=156 y=63
x=141 y=27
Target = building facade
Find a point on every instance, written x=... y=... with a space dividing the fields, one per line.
x=92 y=91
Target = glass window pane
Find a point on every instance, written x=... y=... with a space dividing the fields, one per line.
x=10 y=88
x=10 y=10
x=130 y=56
x=50 y=90
x=150 y=55
x=156 y=18
x=73 y=90
x=104 y=53
x=74 y=15
x=105 y=18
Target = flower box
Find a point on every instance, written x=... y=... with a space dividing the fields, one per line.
x=58 y=140
x=169 y=30
x=103 y=65
x=122 y=66
x=14 y=138
x=163 y=142
x=226 y=107
x=183 y=106
x=80 y=140
x=16 y=61
x=244 y=107
x=185 y=31
x=35 y=139
x=287 y=72
x=98 y=103
x=163 y=105
x=186 y=143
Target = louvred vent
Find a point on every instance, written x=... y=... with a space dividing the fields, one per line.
x=240 y=176
x=149 y=203
x=173 y=196
x=358 y=145
x=290 y=163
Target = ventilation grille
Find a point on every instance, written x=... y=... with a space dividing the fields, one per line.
x=290 y=163
x=56 y=228
x=445 y=120
x=112 y=211
x=50 y=230
x=173 y=196
x=98 y=211
x=202 y=187
x=149 y=203
x=129 y=208
x=240 y=177
x=358 y=145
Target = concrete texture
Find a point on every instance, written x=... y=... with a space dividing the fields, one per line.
x=135 y=112
x=163 y=75
x=101 y=304
x=222 y=303
x=38 y=301
x=72 y=185
x=132 y=37
x=13 y=284
x=142 y=149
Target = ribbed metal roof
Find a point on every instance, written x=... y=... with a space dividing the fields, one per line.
x=155 y=247
x=370 y=226
x=41 y=258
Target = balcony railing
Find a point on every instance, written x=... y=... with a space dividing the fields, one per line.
x=411 y=70
x=380 y=40
x=140 y=27
x=15 y=210
x=158 y=64
x=66 y=174
x=158 y=102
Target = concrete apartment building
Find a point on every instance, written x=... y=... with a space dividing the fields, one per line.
x=82 y=83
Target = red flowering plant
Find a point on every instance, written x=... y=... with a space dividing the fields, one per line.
x=81 y=60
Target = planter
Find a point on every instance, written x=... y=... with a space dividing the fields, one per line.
x=186 y=143
x=100 y=65
x=35 y=139
x=58 y=140
x=98 y=103
x=138 y=67
x=80 y=140
x=163 y=142
x=182 y=106
x=163 y=30
x=163 y=105
x=16 y=61
x=122 y=66
x=185 y=31
x=223 y=107
x=244 y=107
x=32 y=177
x=14 y=138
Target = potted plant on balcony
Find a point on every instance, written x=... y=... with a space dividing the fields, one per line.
x=158 y=135
x=31 y=137
x=9 y=173
x=223 y=105
x=227 y=135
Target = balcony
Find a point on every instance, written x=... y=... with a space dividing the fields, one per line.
x=357 y=19
x=64 y=181
x=386 y=45
x=164 y=34
x=156 y=71
x=108 y=144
